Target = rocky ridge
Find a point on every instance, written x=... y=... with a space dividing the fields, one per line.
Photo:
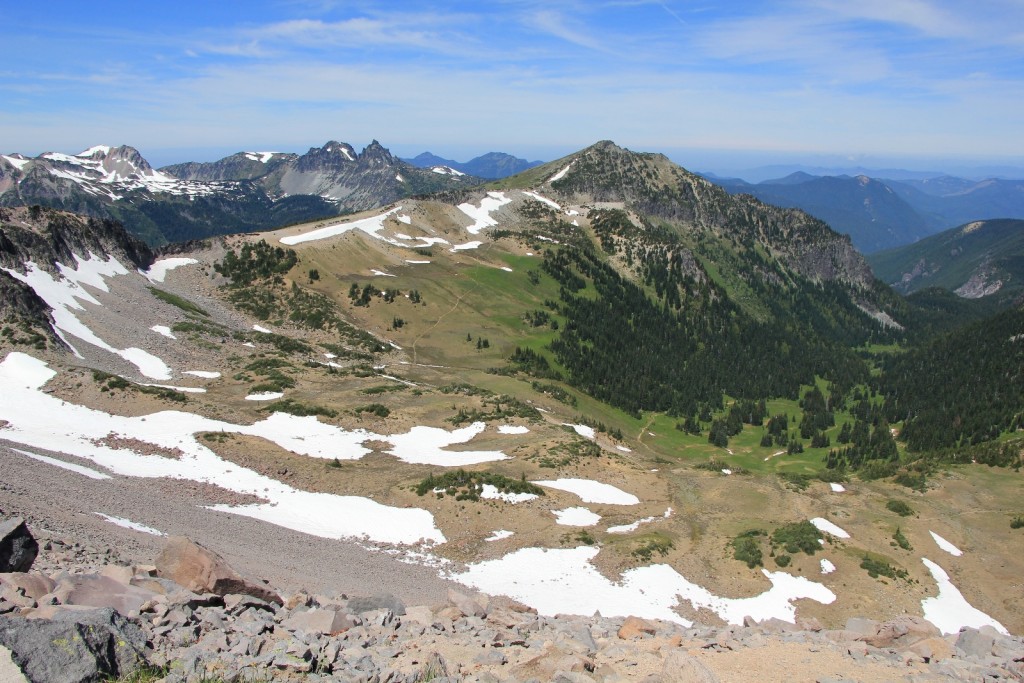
x=189 y=617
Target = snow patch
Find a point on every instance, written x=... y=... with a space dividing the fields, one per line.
x=264 y=396
x=205 y=374
x=63 y=297
x=949 y=610
x=425 y=446
x=69 y=466
x=577 y=516
x=512 y=429
x=544 y=200
x=381 y=273
x=164 y=330
x=371 y=226
x=475 y=244
x=946 y=545
x=591 y=491
x=827 y=567
x=837 y=488
x=44 y=421
x=499 y=535
x=491 y=492
x=16 y=162
x=561 y=174
x=481 y=215
x=582 y=430
x=564 y=581
x=260 y=328
x=823 y=525
x=129 y=524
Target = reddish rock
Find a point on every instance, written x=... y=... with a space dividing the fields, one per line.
x=203 y=571
x=635 y=627
x=32 y=584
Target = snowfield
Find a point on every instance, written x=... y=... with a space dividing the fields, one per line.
x=37 y=419
x=591 y=491
x=949 y=610
x=371 y=226
x=63 y=297
x=481 y=215
x=564 y=581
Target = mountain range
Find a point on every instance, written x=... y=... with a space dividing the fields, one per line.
x=243 y=192
x=492 y=165
x=601 y=384
x=881 y=214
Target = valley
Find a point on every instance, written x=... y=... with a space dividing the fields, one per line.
x=585 y=327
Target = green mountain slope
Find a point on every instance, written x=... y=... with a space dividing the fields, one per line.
x=980 y=259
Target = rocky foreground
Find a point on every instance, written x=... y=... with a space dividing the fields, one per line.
x=73 y=613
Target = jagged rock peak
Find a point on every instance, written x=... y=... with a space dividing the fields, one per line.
x=376 y=153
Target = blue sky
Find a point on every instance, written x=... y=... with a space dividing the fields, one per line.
x=901 y=82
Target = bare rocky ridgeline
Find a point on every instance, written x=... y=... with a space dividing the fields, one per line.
x=82 y=615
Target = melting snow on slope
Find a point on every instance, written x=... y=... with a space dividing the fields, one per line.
x=425 y=446
x=822 y=524
x=481 y=215
x=260 y=328
x=129 y=524
x=44 y=421
x=16 y=162
x=499 y=535
x=561 y=174
x=626 y=528
x=491 y=492
x=63 y=296
x=158 y=271
x=591 y=491
x=544 y=200
x=69 y=466
x=164 y=330
x=205 y=374
x=513 y=429
x=577 y=516
x=582 y=430
x=827 y=567
x=946 y=545
x=262 y=157
x=381 y=273
x=949 y=610
x=371 y=226
x=564 y=581
x=475 y=244
x=264 y=396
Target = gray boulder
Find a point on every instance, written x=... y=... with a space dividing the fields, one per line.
x=74 y=646
x=18 y=548
x=382 y=601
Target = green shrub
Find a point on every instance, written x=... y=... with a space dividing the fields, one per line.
x=876 y=568
x=1017 y=522
x=746 y=548
x=293 y=407
x=374 y=408
x=797 y=537
x=783 y=560
x=175 y=300
x=470 y=484
x=901 y=540
x=653 y=544
x=899 y=507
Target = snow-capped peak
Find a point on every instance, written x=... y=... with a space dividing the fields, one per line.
x=262 y=157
